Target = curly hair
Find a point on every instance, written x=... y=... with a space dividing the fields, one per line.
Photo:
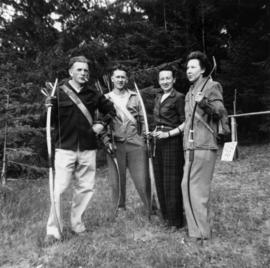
x=203 y=60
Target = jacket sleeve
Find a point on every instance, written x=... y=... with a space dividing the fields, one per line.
x=56 y=107
x=106 y=107
x=141 y=117
x=212 y=103
x=180 y=106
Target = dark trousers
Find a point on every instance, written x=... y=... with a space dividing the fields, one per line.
x=168 y=166
x=132 y=157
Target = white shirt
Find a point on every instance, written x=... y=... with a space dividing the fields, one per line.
x=165 y=96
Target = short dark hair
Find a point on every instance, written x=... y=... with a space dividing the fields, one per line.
x=77 y=59
x=119 y=67
x=203 y=60
x=168 y=68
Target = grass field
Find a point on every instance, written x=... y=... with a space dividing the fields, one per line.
x=240 y=205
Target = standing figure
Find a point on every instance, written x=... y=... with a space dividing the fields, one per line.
x=75 y=144
x=199 y=172
x=168 y=155
x=127 y=130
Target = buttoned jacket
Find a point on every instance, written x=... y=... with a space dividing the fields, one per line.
x=170 y=112
x=209 y=111
x=72 y=129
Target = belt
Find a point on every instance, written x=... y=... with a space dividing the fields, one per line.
x=163 y=128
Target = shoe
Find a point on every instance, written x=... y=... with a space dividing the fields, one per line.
x=121 y=211
x=50 y=240
x=171 y=229
x=81 y=234
x=121 y=208
x=178 y=227
x=197 y=240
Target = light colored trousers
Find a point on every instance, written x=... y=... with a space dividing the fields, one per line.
x=80 y=165
x=200 y=181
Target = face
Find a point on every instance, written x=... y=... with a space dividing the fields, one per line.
x=166 y=80
x=119 y=79
x=79 y=72
x=194 y=70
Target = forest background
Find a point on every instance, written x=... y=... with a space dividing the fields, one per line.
x=37 y=38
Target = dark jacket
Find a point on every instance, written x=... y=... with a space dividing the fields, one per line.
x=72 y=130
x=171 y=111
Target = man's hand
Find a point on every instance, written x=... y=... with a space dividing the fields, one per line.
x=147 y=136
x=50 y=101
x=97 y=128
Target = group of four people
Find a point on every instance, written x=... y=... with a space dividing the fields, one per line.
x=76 y=144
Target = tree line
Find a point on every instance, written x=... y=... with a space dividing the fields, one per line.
x=37 y=37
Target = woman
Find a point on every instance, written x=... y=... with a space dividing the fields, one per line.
x=198 y=174
x=169 y=156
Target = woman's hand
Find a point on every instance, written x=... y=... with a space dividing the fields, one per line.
x=199 y=97
x=160 y=134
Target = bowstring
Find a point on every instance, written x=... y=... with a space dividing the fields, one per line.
x=58 y=119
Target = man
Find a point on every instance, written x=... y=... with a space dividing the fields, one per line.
x=76 y=144
x=128 y=126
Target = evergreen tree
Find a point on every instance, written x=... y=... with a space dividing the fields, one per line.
x=143 y=34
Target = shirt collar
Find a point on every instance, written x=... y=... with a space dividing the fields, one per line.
x=199 y=85
x=131 y=92
x=172 y=94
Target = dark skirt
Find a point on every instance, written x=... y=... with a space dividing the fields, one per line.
x=168 y=167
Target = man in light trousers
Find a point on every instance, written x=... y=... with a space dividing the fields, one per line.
x=76 y=145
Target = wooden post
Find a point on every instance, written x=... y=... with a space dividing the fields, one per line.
x=4 y=167
x=234 y=125
x=234 y=129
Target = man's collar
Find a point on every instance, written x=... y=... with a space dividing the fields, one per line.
x=77 y=90
x=130 y=92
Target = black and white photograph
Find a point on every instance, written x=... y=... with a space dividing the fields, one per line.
x=134 y=134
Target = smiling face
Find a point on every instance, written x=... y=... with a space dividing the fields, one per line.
x=119 y=79
x=79 y=72
x=166 y=80
x=194 y=70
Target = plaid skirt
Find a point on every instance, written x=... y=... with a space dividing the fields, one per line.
x=168 y=168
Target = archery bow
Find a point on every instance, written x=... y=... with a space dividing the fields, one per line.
x=49 y=148
x=154 y=196
x=191 y=150
x=111 y=154
x=110 y=148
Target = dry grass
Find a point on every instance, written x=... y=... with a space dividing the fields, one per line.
x=241 y=225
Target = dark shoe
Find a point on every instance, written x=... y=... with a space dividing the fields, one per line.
x=197 y=240
x=171 y=229
x=121 y=212
x=81 y=234
x=50 y=240
x=202 y=240
x=174 y=225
